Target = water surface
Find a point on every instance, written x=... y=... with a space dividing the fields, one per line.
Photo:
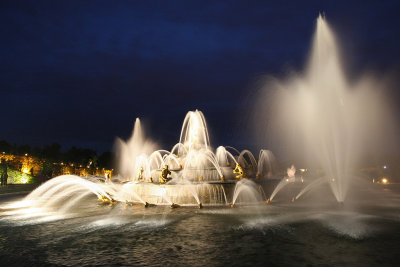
x=365 y=233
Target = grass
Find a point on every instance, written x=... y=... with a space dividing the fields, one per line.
x=17 y=177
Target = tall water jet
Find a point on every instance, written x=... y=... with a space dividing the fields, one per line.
x=194 y=134
x=133 y=152
x=331 y=121
x=265 y=165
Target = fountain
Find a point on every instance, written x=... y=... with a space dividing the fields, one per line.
x=289 y=179
x=190 y=174
x=321 y=110
x=198 y=174
x=140 y=216
x=328 y=120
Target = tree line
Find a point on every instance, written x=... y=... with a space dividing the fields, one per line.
x=54 y=153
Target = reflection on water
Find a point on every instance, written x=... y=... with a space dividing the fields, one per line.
x=360 y=233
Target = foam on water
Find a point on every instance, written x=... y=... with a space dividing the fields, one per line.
x=351 y=224
x=344 y=223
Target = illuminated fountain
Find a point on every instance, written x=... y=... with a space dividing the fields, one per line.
x=188 y=174
x=332 y=121
x=323 y=119
x=191 y=173
x=196 y=174
x=320 y=109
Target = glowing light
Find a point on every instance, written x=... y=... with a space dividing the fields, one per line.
x=384 y=166
x=385 y=180
x=25 y=170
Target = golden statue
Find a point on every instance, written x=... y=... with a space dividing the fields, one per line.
x=239 y=171
x=140 y=174
x=164 y=175
x=106 y=199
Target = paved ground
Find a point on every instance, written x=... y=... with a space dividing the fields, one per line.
x=17 y=188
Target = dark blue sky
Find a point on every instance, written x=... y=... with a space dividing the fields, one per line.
x=80 y=72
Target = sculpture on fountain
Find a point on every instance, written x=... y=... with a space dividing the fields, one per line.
x=239 y=171
x=164 y=175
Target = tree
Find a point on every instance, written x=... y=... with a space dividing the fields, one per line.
x=52 y=152
x=5 y=147
x=37 y=152
x=23 y=149
x=47 y=169
x=106 y=160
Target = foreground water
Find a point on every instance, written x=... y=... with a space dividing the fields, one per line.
x=308 y=232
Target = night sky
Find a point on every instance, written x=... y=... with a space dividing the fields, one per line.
x=80 y=72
